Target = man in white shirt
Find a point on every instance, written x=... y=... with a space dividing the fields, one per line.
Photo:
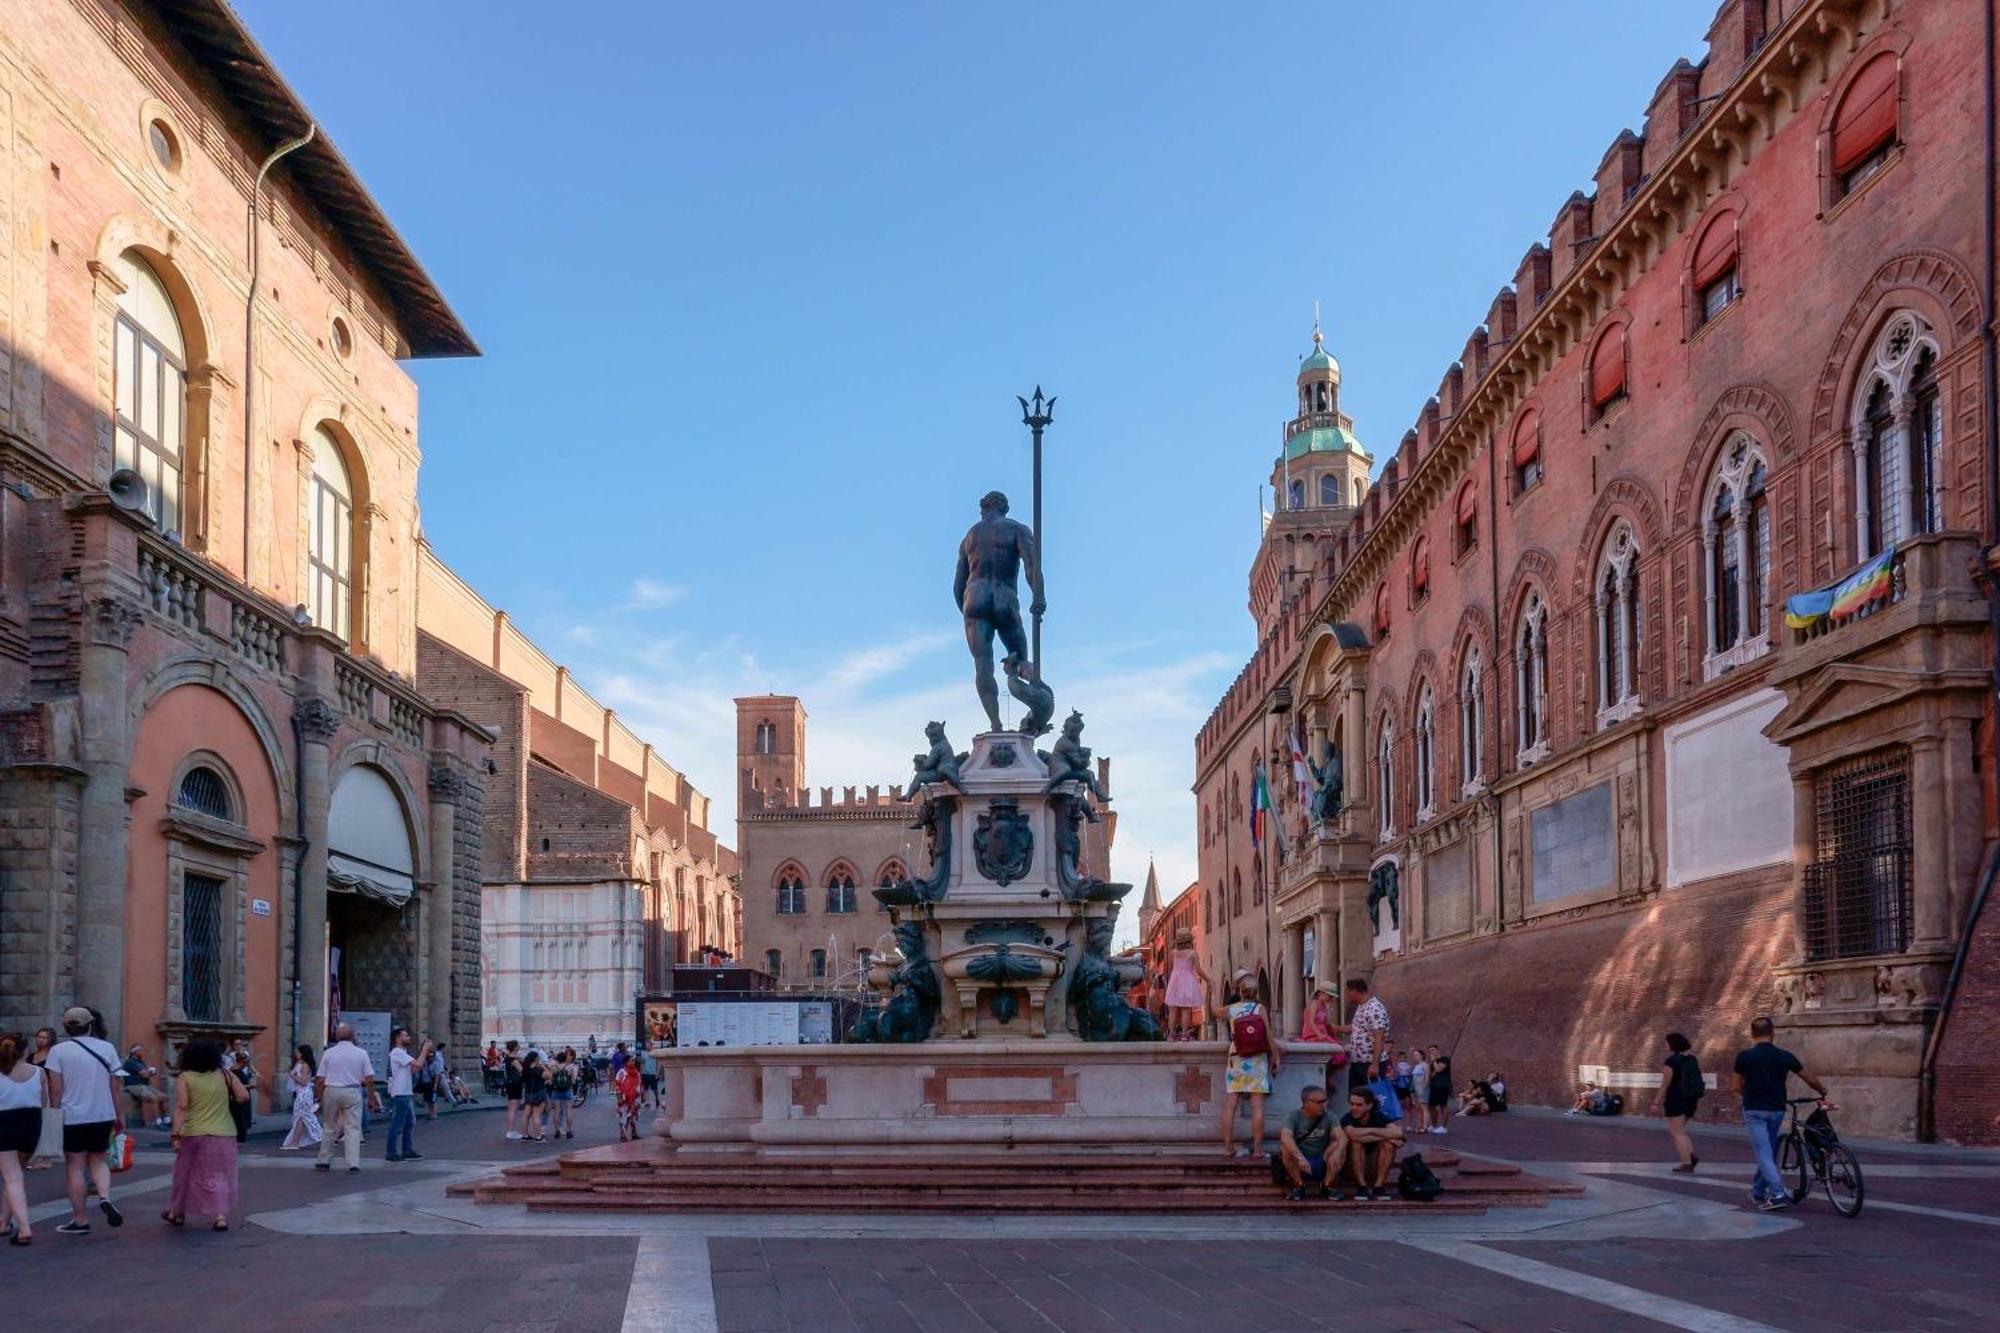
x=402 y=1099
x=84 y=1074
x=346 y=1077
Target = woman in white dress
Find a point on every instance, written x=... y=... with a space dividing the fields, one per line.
x=305 y=1129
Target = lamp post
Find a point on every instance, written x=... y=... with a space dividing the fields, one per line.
x=1036 y=417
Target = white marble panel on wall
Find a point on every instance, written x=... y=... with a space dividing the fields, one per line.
x=1729 y=791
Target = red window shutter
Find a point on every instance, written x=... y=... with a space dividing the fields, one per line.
x=1527 y=439
x=1382 y=609
x=1715 y=253
x=1422 y=577
x=1468 y=504
x=1867 y=116
x=1607 y=368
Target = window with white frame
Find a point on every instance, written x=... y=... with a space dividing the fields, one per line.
x=1619 y=626
x=330 y=556
x=791 y=894
x=149 y=388
x=1385 y=777
x=1471 y=722
x=1898 y=431
x=1426 y=755
x=840 y=890
x=1736 y=557
x=1531 y=680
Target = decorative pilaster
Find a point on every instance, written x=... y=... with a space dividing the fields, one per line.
x=318 y=722
x=105 y=749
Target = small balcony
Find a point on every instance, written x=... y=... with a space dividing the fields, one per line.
x=1928 y=584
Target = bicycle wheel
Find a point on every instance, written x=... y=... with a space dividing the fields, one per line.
x=1793 y=1161
x=1842 y=1178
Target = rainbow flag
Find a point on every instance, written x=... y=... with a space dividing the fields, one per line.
x=1870 y=583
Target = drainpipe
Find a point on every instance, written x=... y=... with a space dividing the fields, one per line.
x=299 y=867
x=1499 y=630
x=251 y=230
x=1989 y=368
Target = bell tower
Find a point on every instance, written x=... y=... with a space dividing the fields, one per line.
x=770 y=750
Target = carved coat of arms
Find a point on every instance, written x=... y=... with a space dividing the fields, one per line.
x=1003 y=844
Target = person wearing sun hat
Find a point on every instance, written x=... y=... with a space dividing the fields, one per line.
x=1186 y=985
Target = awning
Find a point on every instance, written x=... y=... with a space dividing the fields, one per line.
x=346 y=875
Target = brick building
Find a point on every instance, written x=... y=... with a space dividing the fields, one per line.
x=1596 y=785
x=599 y=868
x=224 y=807
x=809 y=862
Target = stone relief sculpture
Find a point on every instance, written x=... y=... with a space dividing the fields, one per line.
x=1381 y=885
x=1075 y=884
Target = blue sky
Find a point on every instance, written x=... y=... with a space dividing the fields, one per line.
x=757 y=285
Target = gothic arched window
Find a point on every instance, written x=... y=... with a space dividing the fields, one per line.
x=791 y=893
x=1385 y=777
x=1736 y=551
x=1426 y=757
x=1619 y=626
x=840 y=890
x=1471 y=721
x=1898 y=428
x=1531 y=680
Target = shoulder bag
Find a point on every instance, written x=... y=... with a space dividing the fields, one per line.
x=48 y=1147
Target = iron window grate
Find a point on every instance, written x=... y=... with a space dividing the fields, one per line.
x=204 y=792
x=201 y=947
x=1857 y=890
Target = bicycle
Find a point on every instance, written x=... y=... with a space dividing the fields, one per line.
x=1812 y=1153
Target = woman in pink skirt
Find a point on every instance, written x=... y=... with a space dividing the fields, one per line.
x=1186 y=986
x=204 y=1137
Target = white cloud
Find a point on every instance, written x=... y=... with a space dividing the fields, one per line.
x=649 y=594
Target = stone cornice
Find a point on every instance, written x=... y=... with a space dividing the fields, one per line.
x=1770 y=89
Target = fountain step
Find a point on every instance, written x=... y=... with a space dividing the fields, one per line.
x=975 y=1202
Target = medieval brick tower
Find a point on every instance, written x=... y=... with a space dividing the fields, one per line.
x=770 y=749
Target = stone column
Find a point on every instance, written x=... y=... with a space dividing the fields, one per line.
x=1709 y=638
x=1327 y=953
x=1805 y=833
x=102 y=813
x=317 y=721
x=1858 y=447
x=1930 y=854
x=1291 y=946
x=445 y=786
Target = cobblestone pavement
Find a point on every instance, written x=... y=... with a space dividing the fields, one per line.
x=1643 y=1249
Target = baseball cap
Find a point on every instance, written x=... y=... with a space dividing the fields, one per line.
x=78 y=1014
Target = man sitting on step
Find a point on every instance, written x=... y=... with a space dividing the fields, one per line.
x=1372 y=1142
x=1309 y=1148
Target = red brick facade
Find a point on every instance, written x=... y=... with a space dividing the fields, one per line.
x=1747 y=363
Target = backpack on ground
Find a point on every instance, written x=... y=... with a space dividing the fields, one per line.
x=1415 y=1180
x=1249 y=1033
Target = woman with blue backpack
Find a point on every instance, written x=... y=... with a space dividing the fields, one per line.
x=1253 y=1062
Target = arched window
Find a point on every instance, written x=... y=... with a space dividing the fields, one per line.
x=892 y=874
x=1465 y=520
x=1426 y=757
x=1527 y=451
x=1899 y=433
x=1236 y=892
x=1420 y=570
x=149 y=388
x=1605 y=380
x=1382 y=611
x=1385 y=777
x=774 y=961
x=1736 y=555
x=1295 y=495
x=1360 y=491
x=1531 y=680
x=819 y=964
x=767 y=738
x=1619 y=625
x=206 y=792
x=331 y=553
x=1471 y=721
x=1714 y=269
x=840 y=890
x=791 y=893
x=1329 y=490
x=1864 y=125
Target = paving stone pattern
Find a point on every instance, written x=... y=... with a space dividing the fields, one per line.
x=1087 y=1287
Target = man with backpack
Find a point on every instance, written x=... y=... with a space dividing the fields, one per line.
x=1253 y=1062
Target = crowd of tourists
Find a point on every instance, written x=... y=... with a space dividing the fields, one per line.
x=544 y=1089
